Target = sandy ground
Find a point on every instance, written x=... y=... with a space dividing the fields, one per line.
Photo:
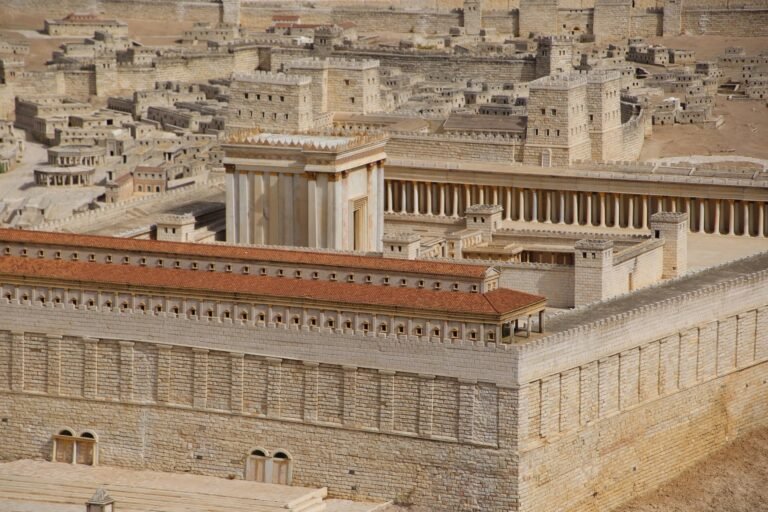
x=734 y=479
x=744 y=132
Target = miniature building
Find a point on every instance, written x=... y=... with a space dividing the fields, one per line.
x=306 y=191
x=271 y=101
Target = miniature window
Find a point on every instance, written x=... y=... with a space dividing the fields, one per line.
x=175 y=310
x=25 y=297
x=56 y=300
x=455 y=287
x=227 y=315
x=347 y=324
x=41 y=299
x=365 y=326
x=75 y=256
x=474 y=287
x=263 y=271
x=159 y=263
x=108 y=304
x=454 y=333
x=246 y=270
x=279 y=272
x=297 y=274
x=491 y=336
x=23 y=252
x=177 y=264
x=73 y=302
x=109 y=258
x=124 y=306
x=40 y=253
x=142 y=307
x=437 y=286
x=7 y=251
x=382 y=327
x=315 y=275
x=418 y=331
x=368 y=279
x=158 y=309
x=295 y=320
x=386 y=280
x=278 y=319
x=281 y=468
x=421 y=283
x=313 y=322
x=143 y=261
x=262 y=317
x=194 y=265
x=91 y=257
x=401 y=329
x=126 y=260
x=351 y=278
x=331 y=323
x=243 y=316
x=332 y=277
x=473 y=335
x=403 y=282
x=227 y=268
x=192 y=312
x=211 y=267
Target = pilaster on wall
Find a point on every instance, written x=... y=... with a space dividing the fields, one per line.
x=54 y=364
x=426 y=403
x=274 y=373
x=17 y=361
x=311 y=378
x=126 y=371
x=467 y=398
x=91 y=367
x=237 y=367
x=349 y=395
x=200 y=380
x=164 y=373
x=387 y=394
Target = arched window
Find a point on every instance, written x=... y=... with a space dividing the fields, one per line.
x=256 y=465
x=175 y=310
x=91 y=303
x=209 y=314
x=108 y=304
x=244 y=316
x=73 y=449
x=281 y=468
x=418 y=330
x=158 y=309
x=192 y=312
x=382 y=327
x=278 y=319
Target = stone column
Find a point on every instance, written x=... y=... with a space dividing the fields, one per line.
x=574 y=208
x=508 y=193
x=311 y=378
x=561 y=214
x=403 y=197
x=428 y=186
x=716 y=228
x=237 y=366
x=126 y=371
x=731 y=215
x=480 y=194
x=350 y=393
x=548 y=213
x=631 y=212
x=601 y=198
x=54 y=364
x=416 y=209
x=701 y=215
x=534 y=205
x=426 y=404
x=163 y=373
x=588 y=218
x=467 y=196
x=90 y=367
x=616 y=211
x=390 y=199
x=761 y=219
x=644 y=213
x=467 y=390
x=442 y=199
x=387 y=394
x=200 y=377
x=521 y=204
x=455 y=189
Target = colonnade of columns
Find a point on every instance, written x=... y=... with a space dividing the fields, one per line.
x=63 y=180
x=71 y=161
x=584 y=208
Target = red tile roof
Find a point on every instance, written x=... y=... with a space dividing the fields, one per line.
x=286 y=256
x=495 y=304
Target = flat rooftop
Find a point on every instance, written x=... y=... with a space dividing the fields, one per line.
x=38 y=486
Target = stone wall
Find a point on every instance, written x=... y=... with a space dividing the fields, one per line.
x=654 y=392
x=753 y=22
x=555 y=282
x=448 y=148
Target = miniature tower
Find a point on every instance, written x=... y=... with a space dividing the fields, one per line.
x=402 y=246
x=604 y=105
x=557 y=130
x=473 y=17
x=230 y=12
x=673 y=229
x=593 y=260
x=554 y=55
x=485 y=218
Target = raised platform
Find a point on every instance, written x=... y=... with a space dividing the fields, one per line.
x=39 y=486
